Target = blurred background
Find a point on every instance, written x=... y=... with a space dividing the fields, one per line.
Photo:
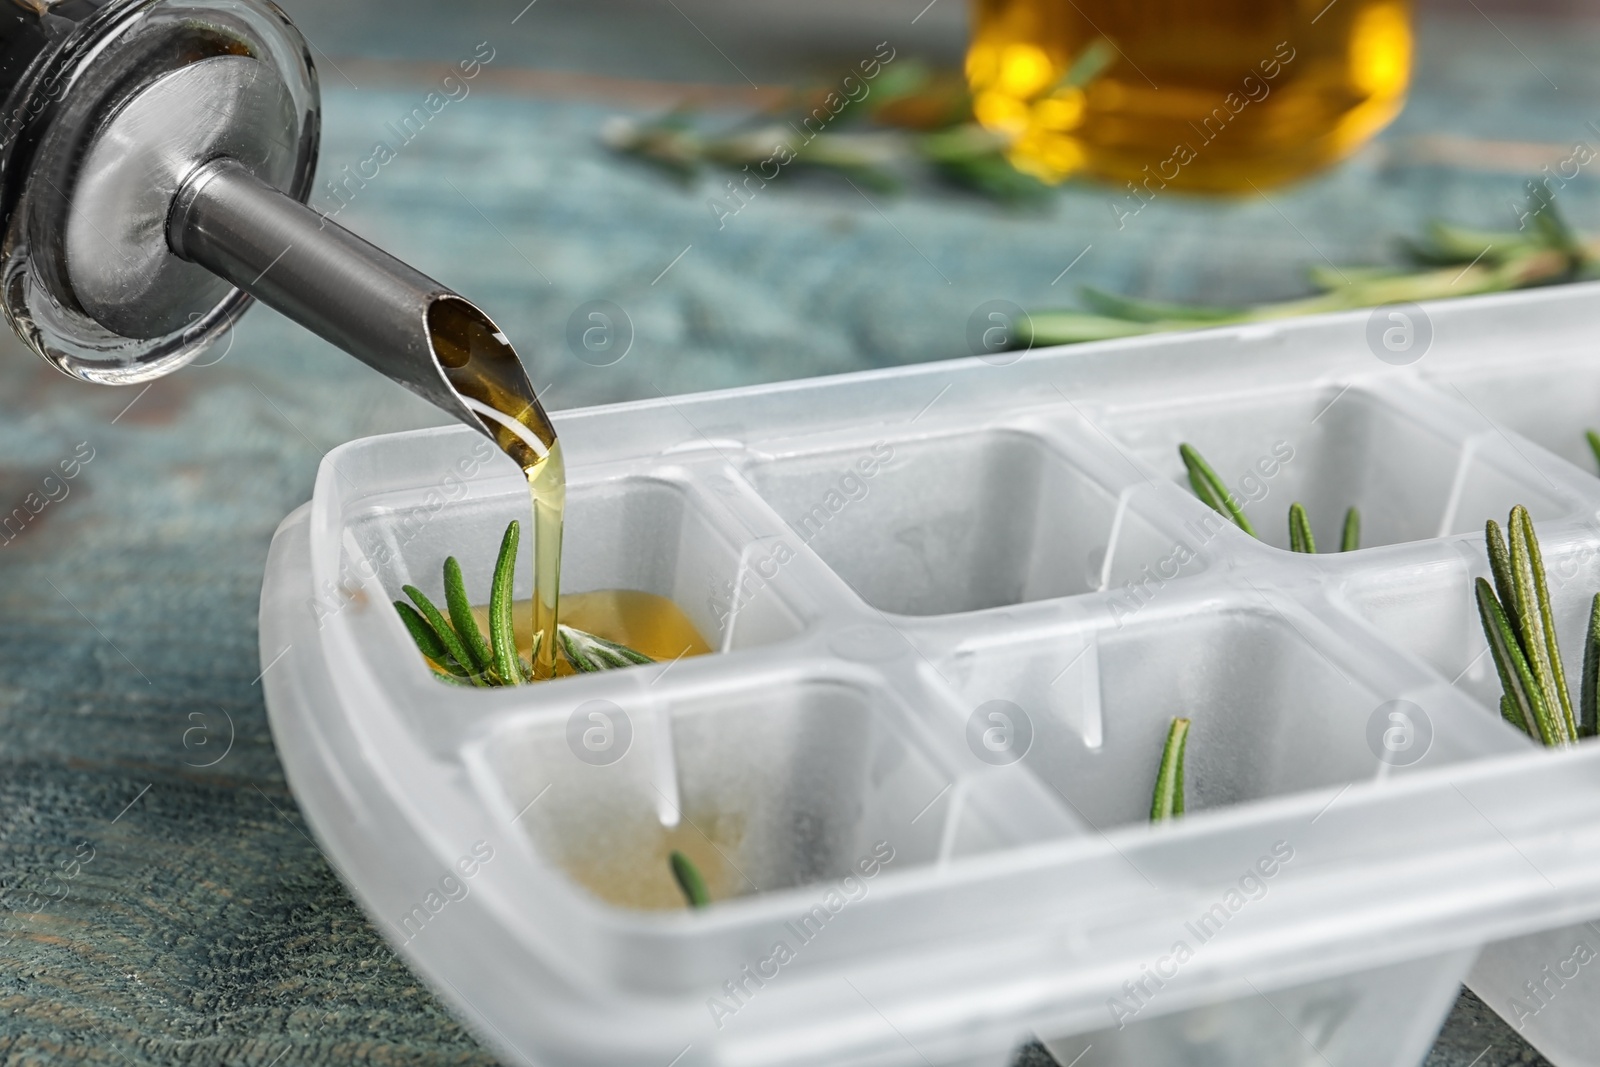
x=578 y=172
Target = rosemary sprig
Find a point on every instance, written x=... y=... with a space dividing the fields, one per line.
x=1457 y=261
x=1210 y=489
x=689 y=880
x=1167 y=803
x=1520 y=626
x=1350 y=539
x=1300 y=539
x=920 y=120
x=455 y=646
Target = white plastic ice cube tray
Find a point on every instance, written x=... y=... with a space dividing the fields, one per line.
x=877 y=558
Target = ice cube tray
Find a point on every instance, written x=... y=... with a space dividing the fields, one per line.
x=955 y=606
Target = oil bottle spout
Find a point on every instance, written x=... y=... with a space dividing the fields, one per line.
x=390 y=316
x=155 y=160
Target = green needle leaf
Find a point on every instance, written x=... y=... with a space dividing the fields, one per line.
x=1537 y=623
x=1300 y=539
x=453 y=679
x=588 y=653
x=1533 y=715
x=1090 y=63
x=461 y=617
x=533 y=657
x=689 y=880
x=502 y=632
x=1594 y=444
x=1350 y=540
x=442 y=630
x=575 y=651
x=427 y=640
x=421 y=632
x=1509 y=712
x=1133 y=309
x=1209 y=488
x=1589 y=694
x=1168 y=799
x=1500 y=565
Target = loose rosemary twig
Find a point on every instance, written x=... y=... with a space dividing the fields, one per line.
x=456 y=649
x=1520 y=626
x=1167 y=803
x=1454 y=261
x=689 y=880
x=916 y=118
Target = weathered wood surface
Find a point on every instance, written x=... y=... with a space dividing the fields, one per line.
x=207 y=928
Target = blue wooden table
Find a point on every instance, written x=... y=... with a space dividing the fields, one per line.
x=162 y=900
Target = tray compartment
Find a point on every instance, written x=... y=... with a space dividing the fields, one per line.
x=1550 y=404
x=1427 y=607
x=655 y=533
x=1272 y=714
x=1331 y=447
x=963 y=521
x=1557 y=1014
x=772 y=787
x=1386 y=1017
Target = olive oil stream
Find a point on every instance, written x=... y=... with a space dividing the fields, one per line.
x=484 y=370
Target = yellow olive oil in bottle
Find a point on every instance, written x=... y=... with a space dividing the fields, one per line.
x=1207 y=95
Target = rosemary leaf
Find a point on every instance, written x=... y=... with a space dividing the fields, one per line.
x=423 y=634
x=1589 y=694
x=1168 y=799
x=689 y=880
x=1132 y=309
x=588 y=653
x=1350 y=540
x=1509 y=712
x=1594 y=444
x=1547 y=618
x=1537 y=624
x=972 y=157
x=1500 y=565
x=453 y=679
x=575 y=651
x=1089 y=64
x=1209 y=488
x=502 y=632
x=427 y=640
x=533 y=657
x=1067 y=327
x=1533 y=715
x=1300 y=539
x=461 y=617
x=447 y=636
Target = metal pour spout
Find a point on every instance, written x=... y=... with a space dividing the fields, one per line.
x=155 y=160
x=390 y=316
